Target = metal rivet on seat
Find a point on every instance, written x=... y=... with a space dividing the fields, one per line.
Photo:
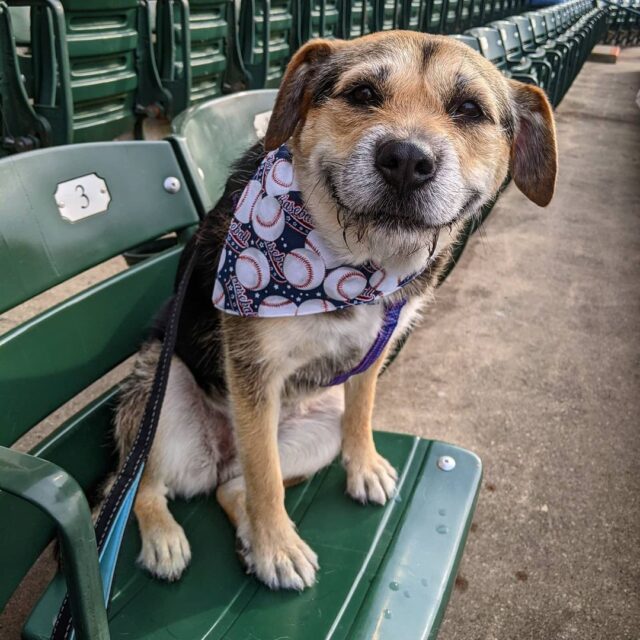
x=446 y=463
x=172 y=184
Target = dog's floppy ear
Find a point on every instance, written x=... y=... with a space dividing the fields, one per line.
x=293 y=98
x=534 y=154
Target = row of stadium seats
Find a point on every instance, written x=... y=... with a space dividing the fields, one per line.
x=623 y=25
x=546 y=48
x=88 y=70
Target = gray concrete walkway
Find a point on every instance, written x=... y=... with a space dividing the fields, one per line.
x=531 y=358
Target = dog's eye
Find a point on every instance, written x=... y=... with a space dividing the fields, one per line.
x=468 y=110
x=363 y=94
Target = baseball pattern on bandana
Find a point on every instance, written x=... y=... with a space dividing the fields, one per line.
x=274 y=263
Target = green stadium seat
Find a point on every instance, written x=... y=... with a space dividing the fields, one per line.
x=22 y=129
x=197 y=50
x=493 y=49
x=267 y=36
x=531 y=49
x=322 y=19
x=359 y=17
x=541 y=71
x=93 y=73
x=470 y=41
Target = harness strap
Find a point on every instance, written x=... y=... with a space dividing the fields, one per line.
x=110 y=525
x=389 y=324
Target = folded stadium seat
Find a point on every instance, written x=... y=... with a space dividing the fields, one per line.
x=464 y=15
x=21 y=128
x=389 y=15
x=627 y=23
x=492 y=49
x=565 y=49
x=432 y=16
x=470 y=41
x=541 y=70
x=531 y=49
x=475 y=14
x=267 y=37
x=93 y=68
x=411 y=14
x=358 y=18
x=319 y=19
x=197 y=50
x=487 y=11
x=558 y=25
x=399 y=14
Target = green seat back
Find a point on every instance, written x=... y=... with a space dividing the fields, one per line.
x=267 y=34
x=90 y=66
x=51 y=358
x=320 y=19
x=510 y=36
x=210 y=137
x=391 y=15
x=358 y=18
x=525 y=30
x=433 y=16
x=412 y=15
x=491 y=45
x=196 y=49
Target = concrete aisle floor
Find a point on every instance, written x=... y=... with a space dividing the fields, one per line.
x=530 y=357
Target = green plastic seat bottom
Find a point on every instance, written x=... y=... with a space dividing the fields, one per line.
x=385 y=572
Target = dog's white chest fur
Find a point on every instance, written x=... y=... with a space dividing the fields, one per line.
x=314 y=337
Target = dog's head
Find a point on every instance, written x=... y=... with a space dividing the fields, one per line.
x=397 y=134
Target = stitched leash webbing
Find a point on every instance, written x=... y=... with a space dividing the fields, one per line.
x=127 y=478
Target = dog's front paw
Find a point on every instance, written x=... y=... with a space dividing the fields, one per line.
x=165 y=552
x=370 y=478
x=281 y=561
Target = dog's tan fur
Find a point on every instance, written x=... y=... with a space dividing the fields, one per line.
x=272 y=422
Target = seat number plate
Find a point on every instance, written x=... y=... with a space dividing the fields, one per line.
x=82 y=197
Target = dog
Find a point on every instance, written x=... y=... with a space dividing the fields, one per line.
x=395 y=137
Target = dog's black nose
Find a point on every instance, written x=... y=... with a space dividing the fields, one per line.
x=404 y=165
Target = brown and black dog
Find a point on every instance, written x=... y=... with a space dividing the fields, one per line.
x=394 y=137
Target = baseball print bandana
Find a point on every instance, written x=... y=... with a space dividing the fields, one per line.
x=275 y=264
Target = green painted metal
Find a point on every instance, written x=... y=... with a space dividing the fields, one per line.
x=93 y=69
x=363 y=553
x=53 y=99
x=320 y=19
x=83 y=446
x=225 y=125
x=152 y=99
x=57 y=494
x=49 y=359
x=21 y=128
x=359 y=17
x=40 y=249
x=173 y=51
x=267 y=35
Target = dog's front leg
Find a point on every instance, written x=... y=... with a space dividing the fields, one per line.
x=268 y=541
x=370 y=478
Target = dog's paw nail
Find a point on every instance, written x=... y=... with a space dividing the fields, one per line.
x=165 y=553
x=288 y=563
x=372 y=481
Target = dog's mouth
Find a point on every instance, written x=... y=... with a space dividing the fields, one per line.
x=409 y=217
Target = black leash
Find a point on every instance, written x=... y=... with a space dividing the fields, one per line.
x=126 y=483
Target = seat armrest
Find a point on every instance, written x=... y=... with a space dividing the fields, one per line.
x=56 y=493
